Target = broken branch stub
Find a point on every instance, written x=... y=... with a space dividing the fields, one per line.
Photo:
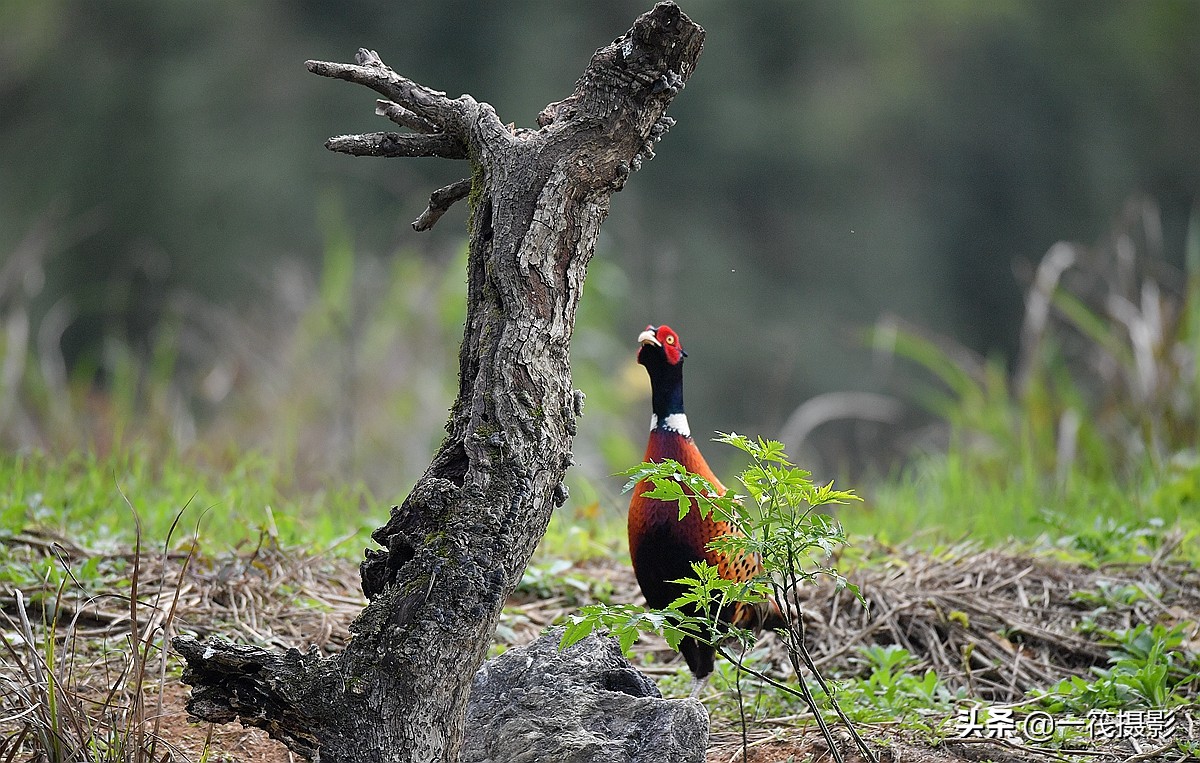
x=456 y=548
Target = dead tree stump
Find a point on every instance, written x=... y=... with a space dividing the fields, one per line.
x=456 y=548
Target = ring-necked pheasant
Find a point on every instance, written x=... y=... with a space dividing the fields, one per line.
x=662 y=546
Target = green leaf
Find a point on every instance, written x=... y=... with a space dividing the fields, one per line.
x=627 y=638
x=579 y=629
x=673 y=637
x=648 y=470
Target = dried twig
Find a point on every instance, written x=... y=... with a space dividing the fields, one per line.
x=440 y=201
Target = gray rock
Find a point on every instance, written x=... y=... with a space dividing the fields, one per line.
x=587 y=704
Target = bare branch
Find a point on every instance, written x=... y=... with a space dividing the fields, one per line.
x=397 y=144
x=404 y=117
x=217 y=670
x=440 y=201
x=431 y=105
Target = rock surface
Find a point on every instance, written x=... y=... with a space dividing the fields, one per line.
x=586 y=704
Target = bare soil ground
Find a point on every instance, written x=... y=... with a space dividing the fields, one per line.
x=993 y=622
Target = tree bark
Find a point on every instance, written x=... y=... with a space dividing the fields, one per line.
x=456 y=548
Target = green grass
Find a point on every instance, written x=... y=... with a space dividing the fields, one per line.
x=234 y=501
x=91 y=500
x=946 y=498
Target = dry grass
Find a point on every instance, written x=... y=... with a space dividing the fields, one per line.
x=995 y=622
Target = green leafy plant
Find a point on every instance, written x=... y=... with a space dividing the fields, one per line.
x=1111 y=595
x=1108 y=539
x=1148 y=667
x=889 y=690
x=777 y=522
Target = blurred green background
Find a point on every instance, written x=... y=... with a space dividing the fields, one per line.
x=181 y=261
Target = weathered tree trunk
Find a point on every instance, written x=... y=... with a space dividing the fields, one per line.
x=457 y=546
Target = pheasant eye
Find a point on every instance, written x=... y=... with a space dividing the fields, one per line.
x=670 y=340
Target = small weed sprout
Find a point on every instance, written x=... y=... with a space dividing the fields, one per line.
x=776 y=521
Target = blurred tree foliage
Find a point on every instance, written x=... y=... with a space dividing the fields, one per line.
x=833 y=161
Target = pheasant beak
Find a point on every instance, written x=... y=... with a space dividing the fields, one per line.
x=648 y=337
